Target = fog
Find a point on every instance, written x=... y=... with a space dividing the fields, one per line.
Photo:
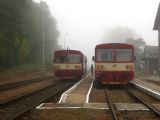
x=86 y=21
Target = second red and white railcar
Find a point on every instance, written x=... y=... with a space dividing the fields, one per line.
x=69 y=64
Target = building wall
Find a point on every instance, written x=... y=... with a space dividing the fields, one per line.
x=151 y=66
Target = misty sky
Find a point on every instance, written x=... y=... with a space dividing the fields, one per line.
x=85 y=21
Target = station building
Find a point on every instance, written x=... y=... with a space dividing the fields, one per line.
x=157 y=27
x=151 y=60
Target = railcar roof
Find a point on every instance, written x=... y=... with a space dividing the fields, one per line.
x=67 y=51
x=114 y=45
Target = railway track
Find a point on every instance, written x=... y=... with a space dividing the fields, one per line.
x=147 y=104
x=110 y=104
x=13 y=85
x=18 y=107
x=135 y=97
x=21 y=96
x=116 y=114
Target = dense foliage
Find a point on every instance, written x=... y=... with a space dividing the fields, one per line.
x=22 y=23
x=139 y=45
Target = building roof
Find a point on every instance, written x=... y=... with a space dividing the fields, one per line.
x=157 y=20
x=151 y=51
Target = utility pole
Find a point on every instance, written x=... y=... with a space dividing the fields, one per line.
x=65 y=36
x=43 y=40
x=159 y=52
x=43 y=46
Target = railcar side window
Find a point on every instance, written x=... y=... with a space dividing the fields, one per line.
x=104 y=55
x=123 y=54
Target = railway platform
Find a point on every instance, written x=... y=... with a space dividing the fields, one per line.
x=151 y=77
x=151 y=89
x=78 y=95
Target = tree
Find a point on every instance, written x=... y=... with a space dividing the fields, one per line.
x=139 y=45
x=119 y=34
x=21 y=24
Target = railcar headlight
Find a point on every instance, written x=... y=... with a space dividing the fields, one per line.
x=77 y=66
x=99 y=67
x=102 y=66
x=57 y=67
x=127 y=66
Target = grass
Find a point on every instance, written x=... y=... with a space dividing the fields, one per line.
x=27 y=71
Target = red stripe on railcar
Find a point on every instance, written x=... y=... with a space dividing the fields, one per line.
x=114 y=77
x=69 y=74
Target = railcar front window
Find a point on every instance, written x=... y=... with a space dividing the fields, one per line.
x=74 y=58
x=60 y=59
x=123 y=55
x=104 y=55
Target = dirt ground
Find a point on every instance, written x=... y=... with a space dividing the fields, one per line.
x=96 y=96
x=87 y=114
x=6 y=78
x=15 y=76
x=137 y=115
x=25 y=89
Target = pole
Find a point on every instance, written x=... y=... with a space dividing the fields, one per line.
x=66 y=35
x=159 y=52
x=43 y=45
x=64 y=42
x=43 y=41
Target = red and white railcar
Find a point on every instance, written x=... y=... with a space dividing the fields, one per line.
x=69 y=64
x=114 y=63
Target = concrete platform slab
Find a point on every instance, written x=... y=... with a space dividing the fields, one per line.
x=118 y=106
x=76 y=98
x=63 y=105
x=151 y=78
x=133 y=106
x=54 y=106
x=78 y=93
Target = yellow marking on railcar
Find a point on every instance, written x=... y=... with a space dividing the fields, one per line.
x=67 y=66
x=114 y=67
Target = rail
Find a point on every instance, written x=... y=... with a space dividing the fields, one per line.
x=19 y=107
x=22 y=83
x=10 y=100
x=110 y=104
x=151 y=107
